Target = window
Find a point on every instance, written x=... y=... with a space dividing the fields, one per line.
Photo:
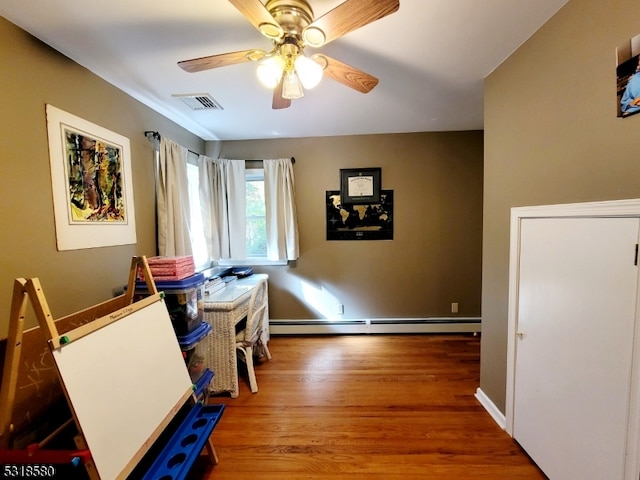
x=196 y=230
x=256 y=222
x=256 y=214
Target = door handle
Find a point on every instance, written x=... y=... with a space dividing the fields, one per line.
x=519 y=335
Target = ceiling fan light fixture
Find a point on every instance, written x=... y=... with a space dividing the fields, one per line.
x=291 y=87
x=269 y=71
x=271 y=30
x=292 y=26
x=256 y=55
x=309 y=72
x=314 y=37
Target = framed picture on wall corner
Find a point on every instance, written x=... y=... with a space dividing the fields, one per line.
x=628 y=77
x=360 y=186
x=91 y=183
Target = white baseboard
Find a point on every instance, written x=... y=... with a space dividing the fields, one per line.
x=491 y=408
x=375 y=326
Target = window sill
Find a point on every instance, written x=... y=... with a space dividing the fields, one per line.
x=251 y=262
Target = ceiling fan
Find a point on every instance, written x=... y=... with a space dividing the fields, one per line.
x=291 y=26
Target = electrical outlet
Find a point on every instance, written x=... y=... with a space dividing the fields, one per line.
x=454 y=307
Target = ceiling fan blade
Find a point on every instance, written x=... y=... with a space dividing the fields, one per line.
x=346 y=17
x=221 y=60
x=259 y=17
x=346 y=74
x=279 y=101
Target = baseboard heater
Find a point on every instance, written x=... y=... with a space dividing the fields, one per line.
x=375 y=326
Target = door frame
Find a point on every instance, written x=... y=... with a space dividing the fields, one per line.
x=611 y=209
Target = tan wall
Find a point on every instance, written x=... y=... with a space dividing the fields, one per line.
x=31 y=76
x=434 y=258
x=552 y=136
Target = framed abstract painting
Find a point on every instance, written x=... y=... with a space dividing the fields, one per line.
x=91 y=182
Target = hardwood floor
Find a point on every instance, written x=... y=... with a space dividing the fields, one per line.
x=364 y=408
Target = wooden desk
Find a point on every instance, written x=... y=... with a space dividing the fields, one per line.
x=223 y=310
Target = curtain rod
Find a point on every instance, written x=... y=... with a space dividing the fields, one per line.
x=156 y=136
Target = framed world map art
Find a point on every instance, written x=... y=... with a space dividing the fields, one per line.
x=371 y=221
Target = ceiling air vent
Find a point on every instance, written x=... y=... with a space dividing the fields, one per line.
x=199 y=101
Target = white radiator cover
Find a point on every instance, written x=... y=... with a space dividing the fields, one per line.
x=375 y=326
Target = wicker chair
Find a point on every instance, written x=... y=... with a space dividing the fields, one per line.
x=249 y=335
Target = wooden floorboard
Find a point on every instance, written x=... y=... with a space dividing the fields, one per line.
x=365 y=407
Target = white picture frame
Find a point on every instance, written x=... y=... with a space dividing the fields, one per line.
x=91 y=183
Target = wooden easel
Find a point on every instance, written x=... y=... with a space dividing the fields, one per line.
x=57 y=335
x=28 y=368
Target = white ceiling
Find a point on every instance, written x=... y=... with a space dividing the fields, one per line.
x=431 y=57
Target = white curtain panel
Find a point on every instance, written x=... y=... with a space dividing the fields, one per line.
x=237 y=197
x=223 y=200
x=282 y=224
x=213 y=207
x=172 y=196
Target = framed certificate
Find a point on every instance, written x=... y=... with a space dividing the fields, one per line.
x=360 y=185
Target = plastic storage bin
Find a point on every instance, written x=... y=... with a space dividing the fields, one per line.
x=185 y=301
x=195 y=352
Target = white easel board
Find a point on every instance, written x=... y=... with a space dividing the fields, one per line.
x=123 y=381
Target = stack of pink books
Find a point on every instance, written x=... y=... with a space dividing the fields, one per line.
x=170 y=269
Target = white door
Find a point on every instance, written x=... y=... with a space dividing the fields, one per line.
x=575 y=324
